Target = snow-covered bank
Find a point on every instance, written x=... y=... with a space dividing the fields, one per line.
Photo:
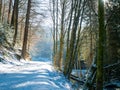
x=31 y=75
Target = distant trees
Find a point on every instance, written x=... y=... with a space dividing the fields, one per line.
x=59 y=17
x=70 y=29
x=75 y=36
x=19 y=29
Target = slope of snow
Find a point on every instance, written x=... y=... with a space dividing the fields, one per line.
x=31 y=75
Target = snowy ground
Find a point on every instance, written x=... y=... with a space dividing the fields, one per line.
x=31 y=75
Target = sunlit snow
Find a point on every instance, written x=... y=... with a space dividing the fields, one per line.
x=31 y=75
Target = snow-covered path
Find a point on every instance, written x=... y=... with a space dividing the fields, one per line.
x=32 y=75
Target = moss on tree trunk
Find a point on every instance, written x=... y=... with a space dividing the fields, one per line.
x=101 y=45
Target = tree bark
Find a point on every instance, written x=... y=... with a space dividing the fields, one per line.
x=70 y=59
x=61 y=37
x=16 y=10
x=9 y=11
x=0 y=8
x=3 y=11
x=24 y=47
x=101 y=45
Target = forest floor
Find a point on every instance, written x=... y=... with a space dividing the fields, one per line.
x=31 y=75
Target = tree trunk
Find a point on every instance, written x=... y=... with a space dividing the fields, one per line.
x=24 y=47
x=0 y=9
x=9 y=11
x=12 y=18
x=3 y=11
x=61 y=36
x=54 y=34
x=15 y=21
x=56 y=45
x=70 y=59
x=101 y=44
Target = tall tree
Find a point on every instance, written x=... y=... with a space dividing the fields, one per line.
x=60 y=61
x=14 y=20
x=0 y=8
x=101 y=45
x=73 y=45
x=9 y=11
x=54 y=33
x=12 y=17
x=24 y=47
x=3 y=10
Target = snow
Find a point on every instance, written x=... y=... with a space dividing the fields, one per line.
x=79 y=72
x=31 y=75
